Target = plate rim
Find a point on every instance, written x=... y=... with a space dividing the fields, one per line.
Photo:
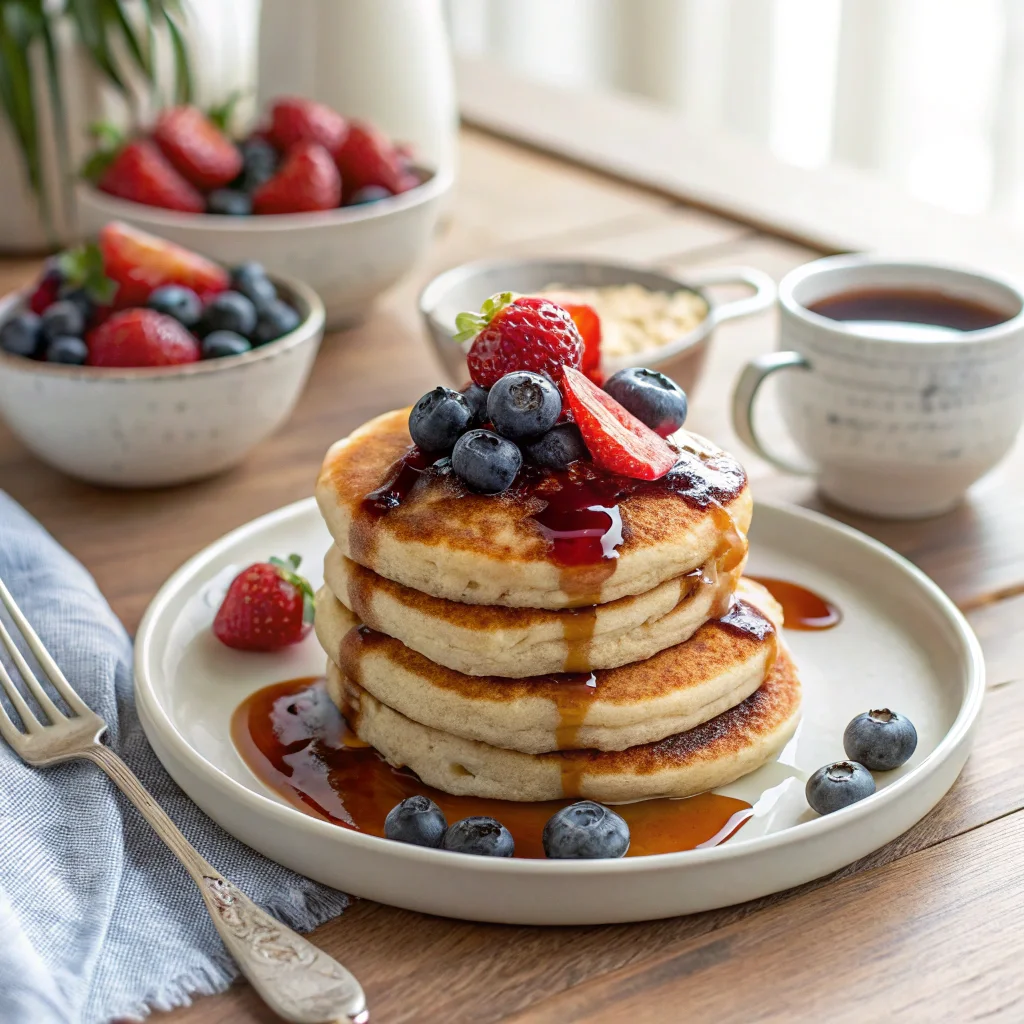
x=816 y=828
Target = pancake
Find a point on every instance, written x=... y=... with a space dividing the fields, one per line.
x=731 y=745
x=675 y=690
x=492 y=640
x=553 y=540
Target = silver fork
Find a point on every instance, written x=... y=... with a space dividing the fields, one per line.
x=298 y=981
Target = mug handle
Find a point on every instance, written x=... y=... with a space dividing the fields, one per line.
x=762 y=283
x=750 y=380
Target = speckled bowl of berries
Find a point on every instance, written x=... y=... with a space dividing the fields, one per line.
x=327 y=199
x=134 y=362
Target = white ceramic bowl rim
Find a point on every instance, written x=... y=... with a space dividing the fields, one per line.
x=970 y=707
x=850 y=261
x=124 y=209
x=313 y=322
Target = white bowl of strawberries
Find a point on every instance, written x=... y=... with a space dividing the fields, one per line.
x=137 y=363
x=312 y=194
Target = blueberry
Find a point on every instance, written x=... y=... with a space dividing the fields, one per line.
x=229 y=202
x=561 y=446
x=62 y=319
x=880 y=740
x=251 y=280
x=417 y=820
x=81 y=298
x=224 y=343
x=274 y=319
x=72 y=351
x=486 y=462
x=228 y=311
x=651 y=397
x=483 y=836
x=838 y=785
x=259 y=163
x=369 y=194
x=177 y=301
x=585 y=830
x=439 y=419
x=476 y=399
x=523 y=405
x=21 y=335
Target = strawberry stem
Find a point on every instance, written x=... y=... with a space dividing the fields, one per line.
x=288 y=571
x=469 y=325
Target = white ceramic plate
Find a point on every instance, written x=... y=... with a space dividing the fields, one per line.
x=901 y=644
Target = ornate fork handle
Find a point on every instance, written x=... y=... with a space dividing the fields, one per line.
x=296 y=979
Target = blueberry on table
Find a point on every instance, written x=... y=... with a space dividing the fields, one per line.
x=523 y=405
x=177 y=301
x=229 y=202
x=229 y=311
x=62 y=319
x=838 y=785
x=559 y=448
x=274 y=319
x=251 y=280
x=439 y=419
x=654 y=399
x=482 y=836
x=69 y=350
x=417 y=820
x=476 y=399
x=21 y=335
x=880 y=740
x=485 y=462
x=369 y=194
x=585 y=830
x=224 y=343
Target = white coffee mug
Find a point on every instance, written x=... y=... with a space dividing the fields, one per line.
x=896 y=420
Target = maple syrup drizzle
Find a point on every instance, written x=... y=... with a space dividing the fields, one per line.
x=296 y=742
x=802 y=609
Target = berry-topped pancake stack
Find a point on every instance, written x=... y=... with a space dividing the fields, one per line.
x=535 y=587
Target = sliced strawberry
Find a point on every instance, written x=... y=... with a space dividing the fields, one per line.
x=142 y=174
x=294 y=119
x=196 y=147
x=307 y=180
x=367 y=157
x=616 y=439
x=139 y=262
x=141 y=337
x=589 y=325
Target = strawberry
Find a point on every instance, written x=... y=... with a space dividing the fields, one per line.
x=141 y=337
x=141 y=173
x=307 y=180
x=589 y=325
x=367 y=157
x=525 y=334
x=139 y=262
x=268 y=606
x=197 y=148
x=47 y=287
x=294 y=120
x=616 y=439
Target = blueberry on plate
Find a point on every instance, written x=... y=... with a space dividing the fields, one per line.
x=439 y=419
x=21 y=335
x=485 y=837
x=259 y=162
x=229 y=202
x=274 y=318
x=62 y=319
x=523 y=405
x=585 y=830
x=177 y=301
x=72 y=351
x=559 y=448
x=838 y=785
x=476 y=399
x=880 y=740
x=651 y=397
x=251 y=280
x=224 y=343
x=228 y=311
x=485 y=462
x=369 y=194
x=417 y=820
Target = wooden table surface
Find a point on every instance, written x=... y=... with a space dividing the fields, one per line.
x=927 y=928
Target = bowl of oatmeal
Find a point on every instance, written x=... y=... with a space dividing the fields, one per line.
x=648 y=317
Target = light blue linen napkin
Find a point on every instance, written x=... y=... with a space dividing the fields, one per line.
x=97 y=919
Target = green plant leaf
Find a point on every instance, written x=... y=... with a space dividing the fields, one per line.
x=60 y=118
x=82 y=267
x=182 y=68
x=138 y=46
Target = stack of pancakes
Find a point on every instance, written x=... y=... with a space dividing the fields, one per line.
x=616 y=655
